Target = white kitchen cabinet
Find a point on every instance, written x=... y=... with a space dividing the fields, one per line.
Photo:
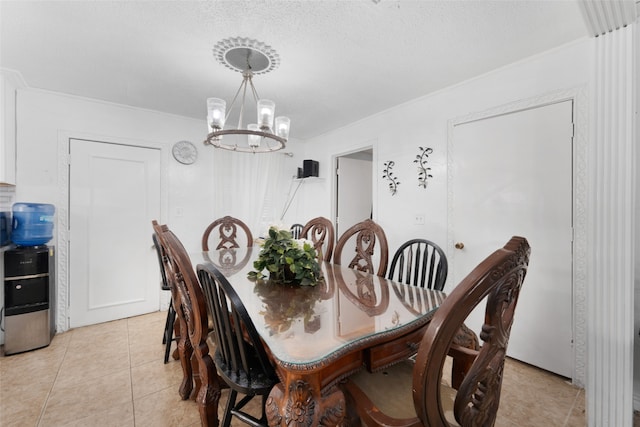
x=8 y=96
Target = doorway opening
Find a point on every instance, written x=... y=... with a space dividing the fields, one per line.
x=354 y=189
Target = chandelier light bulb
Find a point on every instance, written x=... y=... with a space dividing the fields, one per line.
x=253 y=140
x=282 y=126
x=216 y=112
x=266 y=111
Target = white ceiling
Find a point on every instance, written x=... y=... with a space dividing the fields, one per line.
x=340 y=61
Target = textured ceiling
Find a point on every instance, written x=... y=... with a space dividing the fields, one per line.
x=340 y=60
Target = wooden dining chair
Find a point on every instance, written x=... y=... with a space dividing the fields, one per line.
x=365 y=235
x=414 y=394
x=422 y=263
x=419 y=262
x=169 y=335
x=227 y=234
x=192 y=303
x=240 y=355
x=296 y=230
x=183 y=344
x=320 y=231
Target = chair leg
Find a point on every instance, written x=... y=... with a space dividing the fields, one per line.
x=226 y=419
x=171 y=318
x=263 y=418
x=167 y=323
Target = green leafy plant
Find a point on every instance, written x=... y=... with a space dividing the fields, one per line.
x=287 y=260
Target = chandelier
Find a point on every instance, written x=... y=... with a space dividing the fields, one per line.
x=266 y=134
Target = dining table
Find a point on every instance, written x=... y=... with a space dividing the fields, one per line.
x=317 y=336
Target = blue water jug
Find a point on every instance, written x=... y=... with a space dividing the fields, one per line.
x=32 y=223
x=5 y=228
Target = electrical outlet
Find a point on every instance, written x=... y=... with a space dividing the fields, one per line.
x=418 y=219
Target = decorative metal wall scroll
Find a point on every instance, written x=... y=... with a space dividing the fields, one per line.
x=423 y=169
x=388 y=174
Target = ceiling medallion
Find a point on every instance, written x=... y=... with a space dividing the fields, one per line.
x=233 y=51
x=249 y=57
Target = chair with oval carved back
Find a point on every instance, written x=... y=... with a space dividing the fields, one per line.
x=414 y=395
x=227 y=234
x=320 y=231
x=193 y=305
x=364 y=236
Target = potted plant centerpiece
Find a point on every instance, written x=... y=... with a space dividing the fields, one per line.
x=287 y=260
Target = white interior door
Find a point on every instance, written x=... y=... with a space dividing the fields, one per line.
x=114 y=193
x=354 y=200
x=512 y=175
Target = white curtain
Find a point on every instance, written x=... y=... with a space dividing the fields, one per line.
x=248 y=187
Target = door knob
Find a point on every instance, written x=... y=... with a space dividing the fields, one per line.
x=459 y=245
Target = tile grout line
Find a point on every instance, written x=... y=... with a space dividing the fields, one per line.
x=573 y=406
x=46 y=399
x=133 y=403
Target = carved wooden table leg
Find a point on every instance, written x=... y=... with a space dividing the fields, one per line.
x=299 y=403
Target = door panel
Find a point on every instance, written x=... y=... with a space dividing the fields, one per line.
x=114 y=194
x=512 y=175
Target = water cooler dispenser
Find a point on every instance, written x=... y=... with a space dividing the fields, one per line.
x=28 y=276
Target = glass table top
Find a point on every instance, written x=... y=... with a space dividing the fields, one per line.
x=305 y=324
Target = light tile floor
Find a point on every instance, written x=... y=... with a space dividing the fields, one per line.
x=112 y=374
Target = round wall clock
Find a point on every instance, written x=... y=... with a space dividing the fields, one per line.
x=184 y=152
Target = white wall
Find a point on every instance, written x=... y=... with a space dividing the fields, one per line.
x=45 y=117
x=397 y=133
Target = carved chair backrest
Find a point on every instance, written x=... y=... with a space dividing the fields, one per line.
x=164 y=285
x=296 y=231
x=193 y=306
x=184 y=344
x=320 y=231
x=227 y=233
x=419 y=262
x=366 y=234
x=499 y=278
